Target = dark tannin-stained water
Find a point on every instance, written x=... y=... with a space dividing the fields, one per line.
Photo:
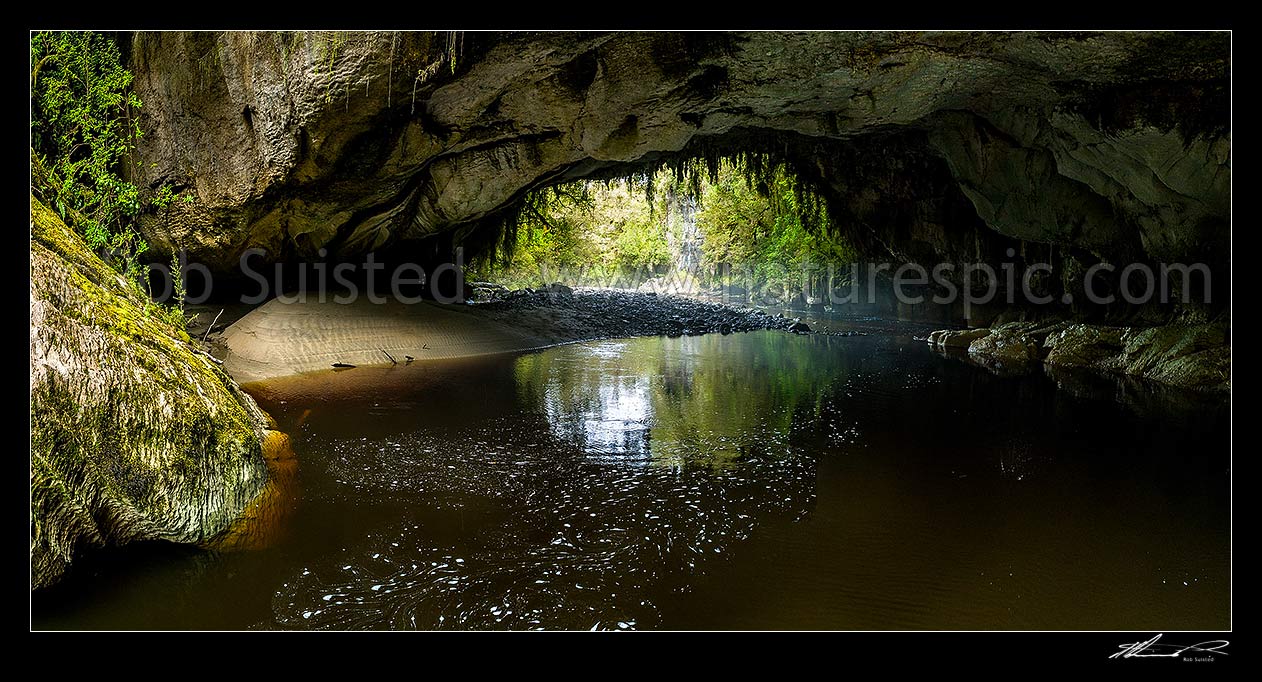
x=751 y=481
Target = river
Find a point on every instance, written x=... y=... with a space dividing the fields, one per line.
x=750 y=481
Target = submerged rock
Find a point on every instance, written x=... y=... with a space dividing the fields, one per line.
x=261 y=524
x=1144 y=396
x=135 y=434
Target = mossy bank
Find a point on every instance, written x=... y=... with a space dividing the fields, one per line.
x=135 y=434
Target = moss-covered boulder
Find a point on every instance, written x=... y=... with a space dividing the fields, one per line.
x=1188 y=355
x=1014 y=347
x=950 y=338
x=1191 y=356
x=135 y=435
x=1196 y=356
x=1086 y=345
x=1015 y=342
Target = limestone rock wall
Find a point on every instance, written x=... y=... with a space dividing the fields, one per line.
x=1109 y=145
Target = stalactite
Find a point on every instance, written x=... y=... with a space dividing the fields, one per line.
x=390 y=70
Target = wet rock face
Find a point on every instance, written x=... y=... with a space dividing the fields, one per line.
x=948 y=338
x=1010 y=347
x=134 y=435
x=1110 y=144
x=1190 y=356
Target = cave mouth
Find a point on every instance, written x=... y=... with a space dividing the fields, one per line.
x=786 y=221
x=1071 y=150
x=885 y=207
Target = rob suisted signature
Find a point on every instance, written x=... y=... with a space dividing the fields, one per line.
x=1154 y=649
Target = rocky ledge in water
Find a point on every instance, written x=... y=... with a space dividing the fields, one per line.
x=135 y=433
x=1194 y=356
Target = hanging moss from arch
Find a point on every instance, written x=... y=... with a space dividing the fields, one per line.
x=755 y=211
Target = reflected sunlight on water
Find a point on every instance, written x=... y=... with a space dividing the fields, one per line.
x=757 y=480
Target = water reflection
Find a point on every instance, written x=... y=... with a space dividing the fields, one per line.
x=630 y=484
x=756 y=481
x=599 y=405
x=679 y=404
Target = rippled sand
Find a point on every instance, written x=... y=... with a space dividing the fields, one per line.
x=278 y=339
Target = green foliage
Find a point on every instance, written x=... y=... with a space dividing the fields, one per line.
x=166 y=195
x=755 y=217
x=83 y=132
x=606 y=231
x=173 y=314
x=640 y=244
x=773 y=231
